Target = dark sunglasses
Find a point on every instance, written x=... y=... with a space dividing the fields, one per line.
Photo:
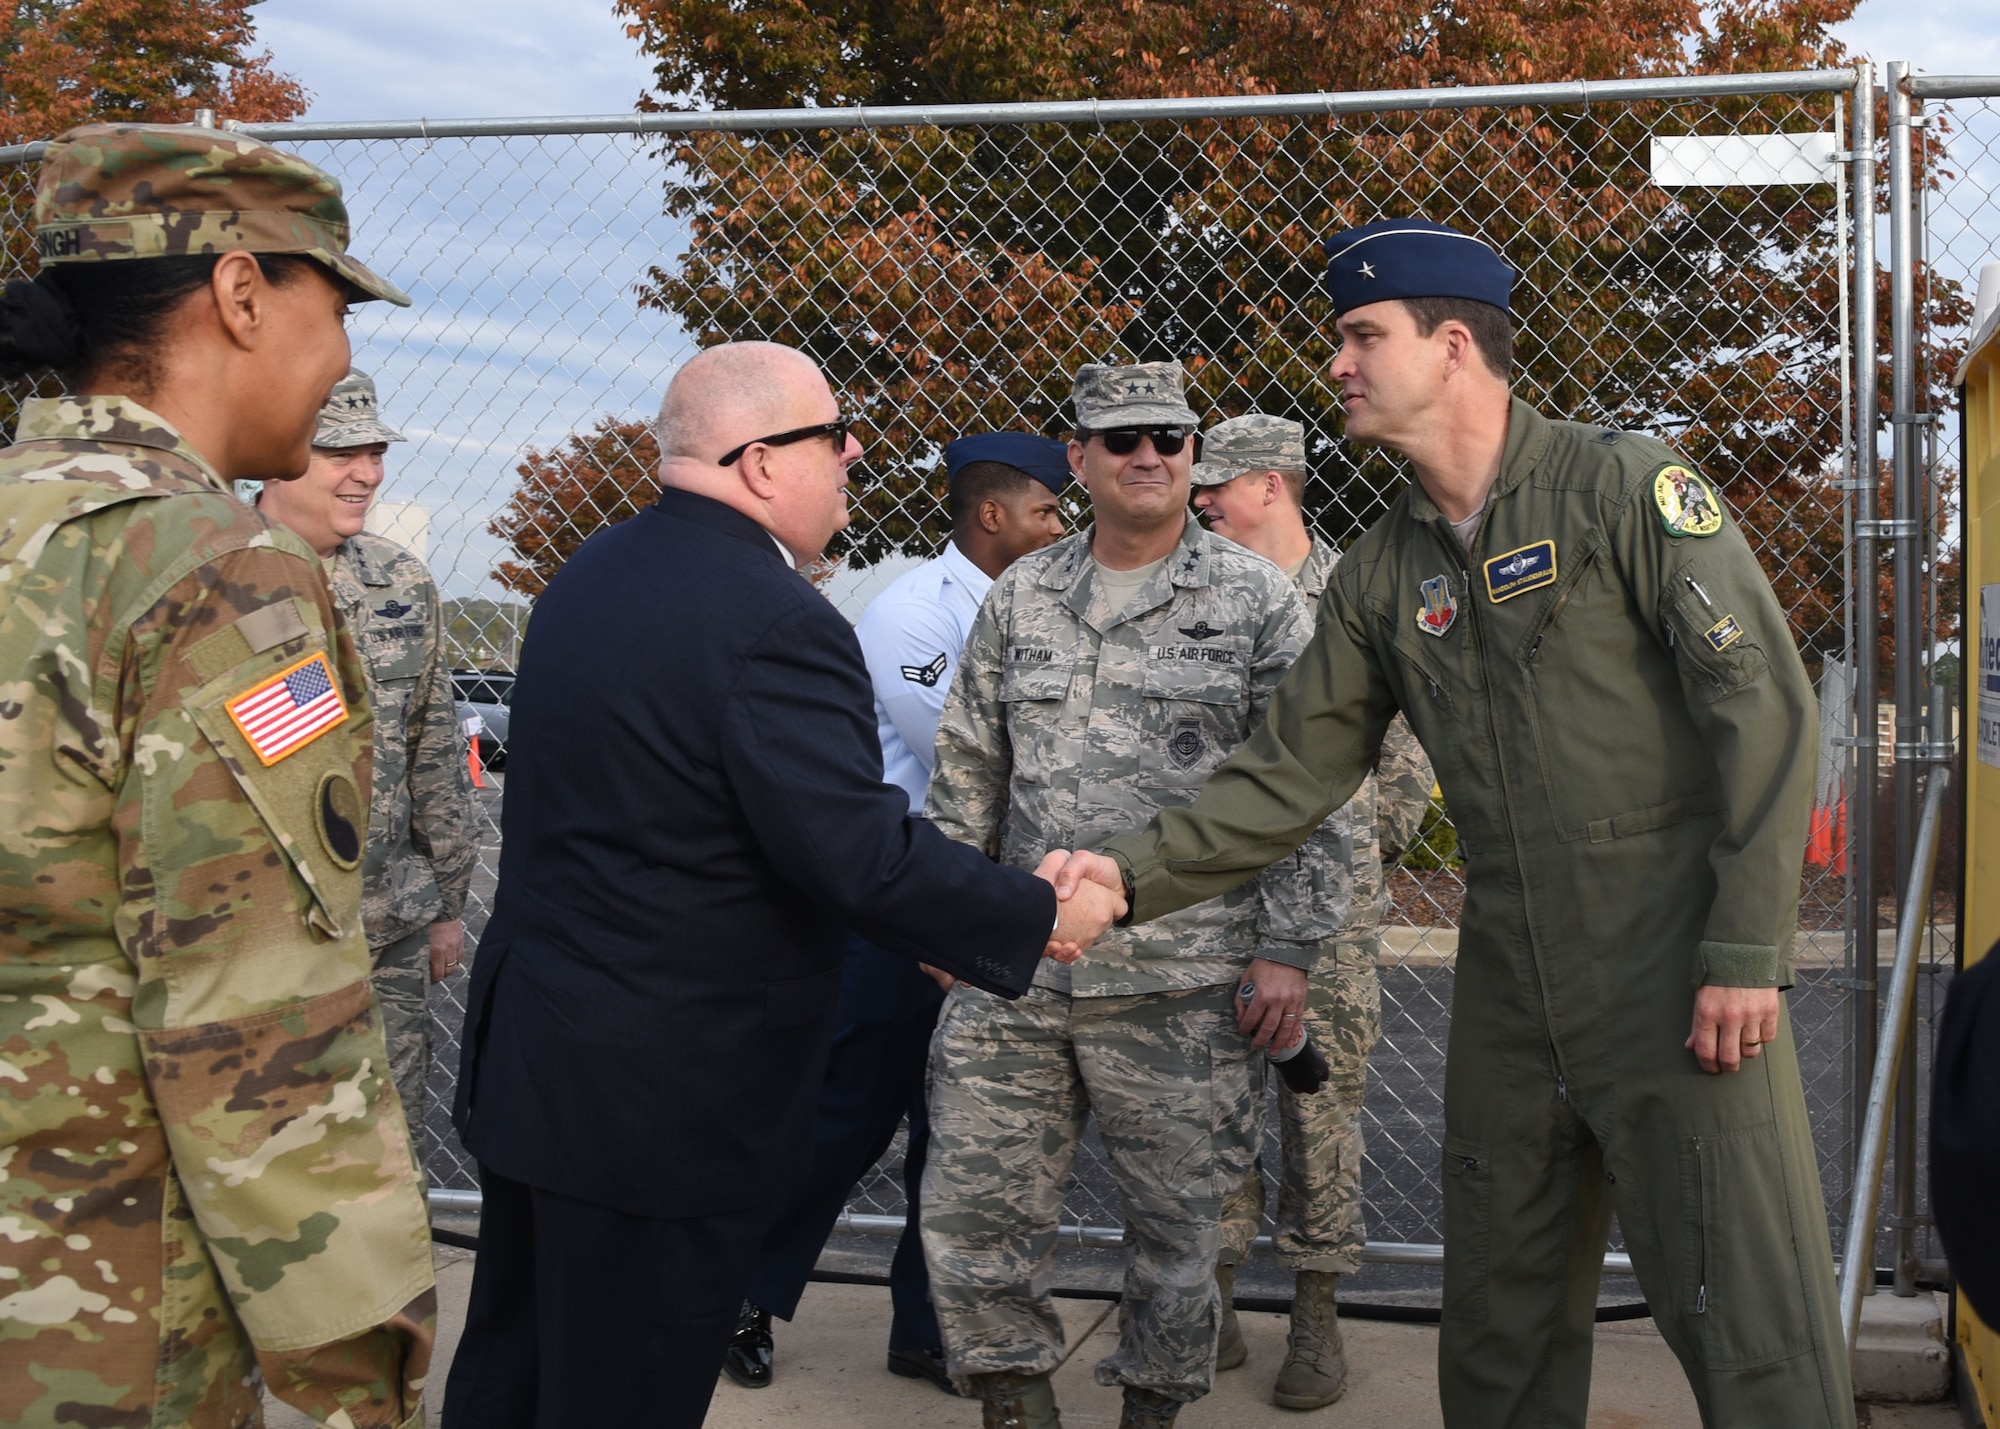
x=838 y=429
x=1167 y=441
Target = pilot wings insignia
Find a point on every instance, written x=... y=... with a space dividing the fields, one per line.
x=1200 y=630
x=925 y=675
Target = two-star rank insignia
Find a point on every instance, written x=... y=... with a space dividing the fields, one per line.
x=1200 y=630
x=1439 y=610
x=1687 y=503
x=925 y=675
x=1520 y=571
x=393 y=609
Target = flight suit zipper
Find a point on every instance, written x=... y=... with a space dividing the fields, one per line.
x=1477 y=635
x=1701 y=1227
x=1569 y=585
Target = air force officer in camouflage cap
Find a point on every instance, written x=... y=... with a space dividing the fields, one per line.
x=1105 y=676
x=422 y=827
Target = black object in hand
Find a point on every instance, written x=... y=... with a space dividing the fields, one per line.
x=1305 y=1070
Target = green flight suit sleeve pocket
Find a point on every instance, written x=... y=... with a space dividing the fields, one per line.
x=1713 y=645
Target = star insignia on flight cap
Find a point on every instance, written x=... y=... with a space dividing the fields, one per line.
x=1367 y=270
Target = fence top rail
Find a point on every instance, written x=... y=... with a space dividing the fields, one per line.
x=1954 y=86
x=1081 y=111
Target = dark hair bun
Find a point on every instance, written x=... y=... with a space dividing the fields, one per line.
x=38 y=328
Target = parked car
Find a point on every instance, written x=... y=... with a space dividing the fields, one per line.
x=486 y=693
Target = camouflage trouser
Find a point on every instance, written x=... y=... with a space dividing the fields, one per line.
x=1173 y=1086
x=1318 y=1225
x=402 y=979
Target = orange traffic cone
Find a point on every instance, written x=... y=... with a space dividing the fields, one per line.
x=472 y=760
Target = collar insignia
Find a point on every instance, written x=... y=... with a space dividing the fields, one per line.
x=1439 y=611
x=1519 y=571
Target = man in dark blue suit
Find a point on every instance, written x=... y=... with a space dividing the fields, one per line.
x=695 y=819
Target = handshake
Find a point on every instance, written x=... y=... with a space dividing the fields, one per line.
x=1090 y=897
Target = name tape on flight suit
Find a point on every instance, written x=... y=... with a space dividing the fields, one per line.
x=1521 y=570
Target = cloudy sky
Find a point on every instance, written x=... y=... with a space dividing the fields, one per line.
x=524 y=258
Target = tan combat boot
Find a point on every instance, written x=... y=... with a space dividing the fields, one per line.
x=1230 y=1351
x=1314 y=1373
x=1147 y=1409
x=1015 y=1401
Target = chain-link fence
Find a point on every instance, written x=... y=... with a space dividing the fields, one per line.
x=950 y=269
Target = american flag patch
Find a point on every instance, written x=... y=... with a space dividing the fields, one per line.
x=290 y=710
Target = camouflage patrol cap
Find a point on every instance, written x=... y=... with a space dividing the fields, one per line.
x=1147 y=394
x=1252 y=442
x=158 y=190
x=350 y=417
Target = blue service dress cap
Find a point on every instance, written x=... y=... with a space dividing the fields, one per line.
x=1043 y=458
x=1412 y=258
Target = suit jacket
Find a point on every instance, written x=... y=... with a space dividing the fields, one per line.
x=695 y=818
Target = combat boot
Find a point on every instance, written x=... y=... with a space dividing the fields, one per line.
x=1314 y=1373
x=1015 y=1401
x=1147 y=1409
x=1230 y=1351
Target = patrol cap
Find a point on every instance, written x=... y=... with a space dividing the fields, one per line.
x=1252 y=442
x=109 y=191
x=350 y=417
x=1043 y=458
x=1412 y=258
x=1146 y=394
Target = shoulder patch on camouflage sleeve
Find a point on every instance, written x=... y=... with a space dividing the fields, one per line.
x=1688 y=504
x=283 y=714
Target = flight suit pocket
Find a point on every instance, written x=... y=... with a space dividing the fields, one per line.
x=1717 y=656
x=1739 y=1252
x=1193 y=716
x=1468 y=1228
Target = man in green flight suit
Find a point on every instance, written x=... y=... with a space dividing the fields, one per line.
x=1623 y=731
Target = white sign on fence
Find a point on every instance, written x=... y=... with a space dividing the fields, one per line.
x=1989 y=675
x=1723 y=160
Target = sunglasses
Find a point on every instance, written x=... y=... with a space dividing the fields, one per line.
x=838 y=429
x=1167 y=441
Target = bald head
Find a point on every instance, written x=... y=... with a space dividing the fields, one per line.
x=730 y=394
x=726 y=402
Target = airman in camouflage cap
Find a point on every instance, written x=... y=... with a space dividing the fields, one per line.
x=1146 y=394
x=112 y=191
x=1252 y=442
x=351 y=418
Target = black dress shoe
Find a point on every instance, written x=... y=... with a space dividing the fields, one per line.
x=747 y=1361
x=922 y=1364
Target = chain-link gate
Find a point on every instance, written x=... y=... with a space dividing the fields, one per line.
x=951 y=267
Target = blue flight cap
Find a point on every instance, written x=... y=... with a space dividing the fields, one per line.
x=1411 y=258
x=1043 y=458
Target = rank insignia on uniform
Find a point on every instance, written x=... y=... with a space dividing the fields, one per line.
x=285 y=713
x=1687 y=503
x=1724 y=633
x=1519 y=571
x=925 y=675
x=1440 y=608
x=1185 y=744
x=393 y=609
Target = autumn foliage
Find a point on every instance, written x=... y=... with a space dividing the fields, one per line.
x=595 y=478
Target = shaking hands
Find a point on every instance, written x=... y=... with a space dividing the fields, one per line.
x=1090 y=895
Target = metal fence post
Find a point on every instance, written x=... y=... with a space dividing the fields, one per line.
x=1904 y=528
x=1866 y=613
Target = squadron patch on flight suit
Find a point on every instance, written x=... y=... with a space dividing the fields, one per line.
x=1519 y=571
x=1440 y=607
x=1724 y=633
x=1185 y=745
x=1687 y=503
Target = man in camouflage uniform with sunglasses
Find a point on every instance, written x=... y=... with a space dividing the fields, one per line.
x=1105 y=676
x=1250 y=485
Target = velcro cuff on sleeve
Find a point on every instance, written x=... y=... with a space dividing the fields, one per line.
x=1736 y=965
x=1303 y=956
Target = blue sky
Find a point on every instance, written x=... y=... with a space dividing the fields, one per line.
x=524 y=261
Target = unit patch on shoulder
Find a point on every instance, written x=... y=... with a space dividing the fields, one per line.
x=339 y=818
x=1687 y=503
x=1724 y=633
x=285 y=713
x=1439 y=609
x=1520 y=571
